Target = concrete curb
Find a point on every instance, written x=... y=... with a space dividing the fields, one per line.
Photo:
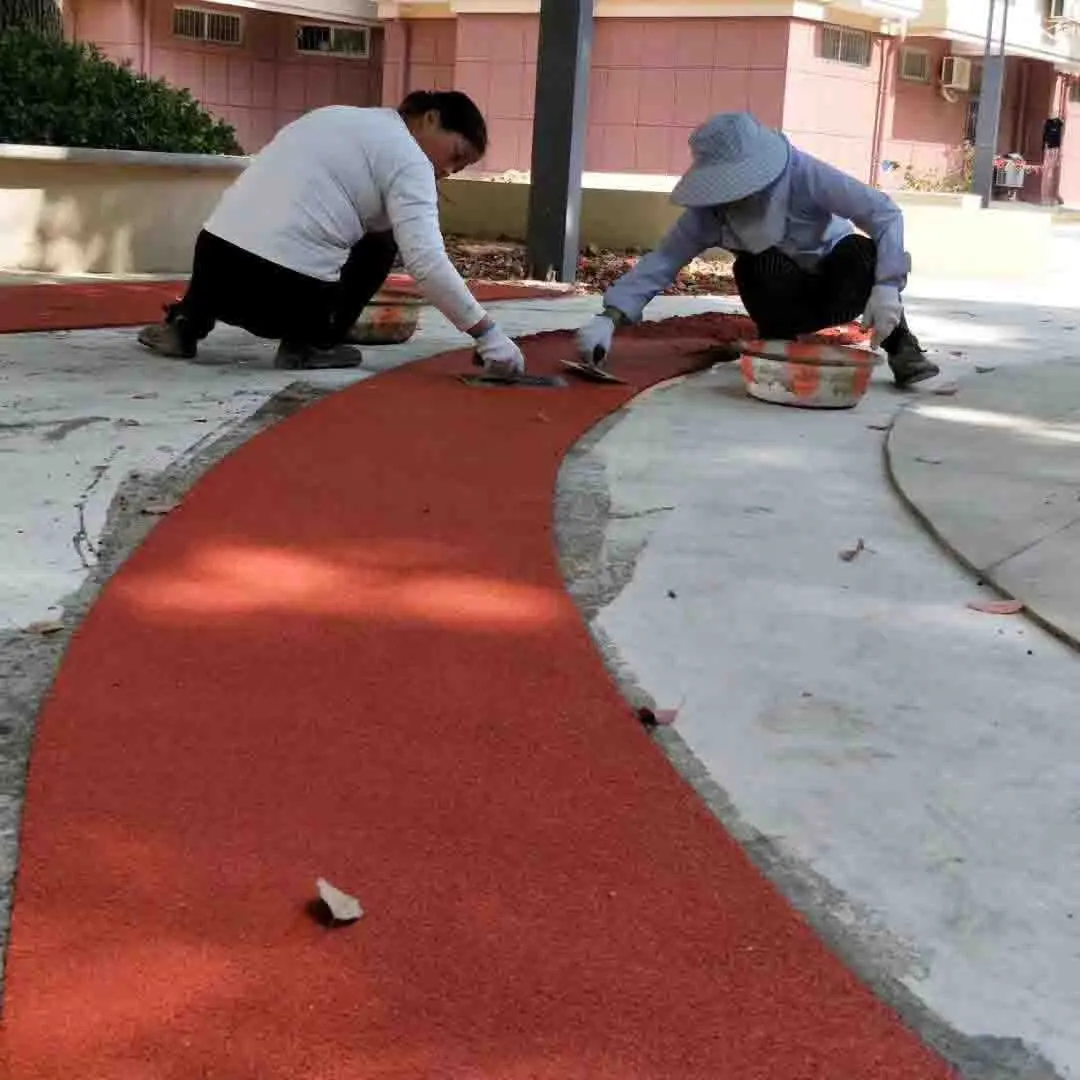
x=983 y=575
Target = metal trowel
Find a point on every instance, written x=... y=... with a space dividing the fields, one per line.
x=594 y=372
x=485 y=378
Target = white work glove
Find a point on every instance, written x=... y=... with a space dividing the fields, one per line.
x=884 y=310
x=594 y=340
x=499 y=355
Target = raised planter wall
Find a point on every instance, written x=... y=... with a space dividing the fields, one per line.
x=947 y=235
x=75 y=211
x=125 y=212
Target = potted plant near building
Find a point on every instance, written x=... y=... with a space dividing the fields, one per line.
x=1010 y=173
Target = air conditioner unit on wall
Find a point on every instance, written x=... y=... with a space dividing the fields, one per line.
x=955 y=73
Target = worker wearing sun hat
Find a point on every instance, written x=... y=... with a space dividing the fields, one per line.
x=790 y=220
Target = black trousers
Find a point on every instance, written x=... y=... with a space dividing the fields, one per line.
x=231 y=285
x=785 y=300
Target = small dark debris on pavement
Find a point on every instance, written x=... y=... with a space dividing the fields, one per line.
x=851 y=554
x=654 y=718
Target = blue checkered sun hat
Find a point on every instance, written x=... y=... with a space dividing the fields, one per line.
x=734 y=156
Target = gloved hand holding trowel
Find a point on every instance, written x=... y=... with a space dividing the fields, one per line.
x=594 y=340
x=499 y=356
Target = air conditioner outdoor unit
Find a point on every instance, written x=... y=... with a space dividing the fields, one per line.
x=955 y=73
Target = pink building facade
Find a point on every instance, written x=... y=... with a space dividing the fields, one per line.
x=868 y=101
x=654 y=79
x=251 y=73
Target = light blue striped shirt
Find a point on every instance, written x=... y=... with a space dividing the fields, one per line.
x=823 y=206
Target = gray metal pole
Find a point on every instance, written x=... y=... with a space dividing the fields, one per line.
x=989 y=122
x=558 y=152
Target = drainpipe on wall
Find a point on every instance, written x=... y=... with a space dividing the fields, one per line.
x=406 y=56
x=1019 y=125
x=879 y=115
x=147 y=24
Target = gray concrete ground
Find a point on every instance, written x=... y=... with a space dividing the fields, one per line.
x=903 y=767
x=996 y=476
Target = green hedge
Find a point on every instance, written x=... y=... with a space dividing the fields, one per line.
x=62 y=93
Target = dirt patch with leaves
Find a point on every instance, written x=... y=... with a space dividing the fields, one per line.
x=598 y=268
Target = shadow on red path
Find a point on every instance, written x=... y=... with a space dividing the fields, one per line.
x=349 y=653
x=92 y=305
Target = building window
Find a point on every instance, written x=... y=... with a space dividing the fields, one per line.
x=215 y=27
x=845 y=45
x=915 y=65
x=354 y=41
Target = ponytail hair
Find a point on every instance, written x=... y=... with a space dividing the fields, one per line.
x=457 y=112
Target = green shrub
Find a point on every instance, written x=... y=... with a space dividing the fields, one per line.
x=62 y=93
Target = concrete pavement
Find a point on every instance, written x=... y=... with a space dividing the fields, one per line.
x=903 y=767
x=995 y=475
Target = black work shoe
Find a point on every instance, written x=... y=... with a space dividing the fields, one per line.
x=909 y=363
x=293 y=357
x=167 y=339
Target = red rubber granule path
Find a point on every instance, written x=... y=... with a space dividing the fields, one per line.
x=93 y=305
x=349 y=653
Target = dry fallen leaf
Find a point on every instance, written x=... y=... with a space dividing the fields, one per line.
x=997 y=607
x=159 y=509
x=948 y=390
x=853 y=553
x=879 y=427
x=343 y=908
x=984 y=369
x=46 y=628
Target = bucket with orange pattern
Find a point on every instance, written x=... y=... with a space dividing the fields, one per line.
x=808 y=375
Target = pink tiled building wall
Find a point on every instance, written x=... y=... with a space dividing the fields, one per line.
x=653 y=80
x=257 y=86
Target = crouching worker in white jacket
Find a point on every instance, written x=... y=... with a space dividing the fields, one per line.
x=789 y=219
x=308 y=233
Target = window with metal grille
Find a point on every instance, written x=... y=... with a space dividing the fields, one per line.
x=354 y=41
x=915 y=65
x=845 y=45
x=223 y=29
x=189 y=23
x=198 y=24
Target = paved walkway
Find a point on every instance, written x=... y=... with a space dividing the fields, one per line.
x=995 y=474
x=904 y=767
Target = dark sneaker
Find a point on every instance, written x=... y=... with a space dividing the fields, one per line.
x=291 y=357
x=910 y=365
x=165 y=339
